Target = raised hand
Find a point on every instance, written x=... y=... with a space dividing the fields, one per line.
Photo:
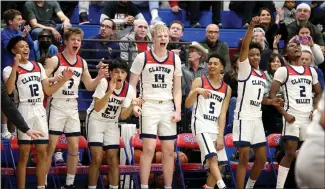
x=16 y=60
x=255 y=21
x=276 y=40
x=112 y=84
x=26 y=30
x=103 y=72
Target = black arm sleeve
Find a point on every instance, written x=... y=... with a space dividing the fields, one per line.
x=10 y=110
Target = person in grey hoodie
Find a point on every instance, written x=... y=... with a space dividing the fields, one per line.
x=136 y=37
x=288 y=12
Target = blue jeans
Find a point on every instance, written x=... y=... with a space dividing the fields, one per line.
x=34 y=33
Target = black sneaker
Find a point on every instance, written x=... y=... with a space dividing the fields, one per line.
x=66 y=187
x=83 y=18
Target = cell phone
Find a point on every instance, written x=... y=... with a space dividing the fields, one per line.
x=302 y=39
x=22 y=26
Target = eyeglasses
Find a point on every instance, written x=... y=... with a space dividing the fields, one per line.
x=105 y=26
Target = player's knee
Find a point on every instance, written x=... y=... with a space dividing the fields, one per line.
x=97 y=160
x=73 y=148
x=260 y=158
x=23 y=156
x=168 y=154
x=149 y=151
x=41 y=155
x=243 y=158
x=213 y=161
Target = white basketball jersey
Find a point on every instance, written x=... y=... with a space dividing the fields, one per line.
x=70 y=88
x=111 y=111
x=298 y=93
x=250 y=96
x=156 y=79
x=206 y=111
x=29 y=85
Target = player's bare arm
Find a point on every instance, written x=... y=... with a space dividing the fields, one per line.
x=49 y=88
x=274 y=101
x=222 y=120
x=247 y=39
x=196 y=90
x=10 y=83
x=90 y=83
x=133 y=82
x=177 y=94
x=51 y=65
x=101 y=103
x=134 y=106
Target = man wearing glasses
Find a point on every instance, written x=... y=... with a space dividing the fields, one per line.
x=214 y=45
x=106 y=50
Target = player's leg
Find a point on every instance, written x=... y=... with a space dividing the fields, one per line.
x=149 y=146
x=291 y=136
x=167 y=147
x=241 y=168
x=96 y=162
x=95 y=137
x=24 y=150
x=113 y=162
x=41 y=166
x=259 y=145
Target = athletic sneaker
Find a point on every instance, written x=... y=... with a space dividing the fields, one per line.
x=6 y=136
x=66 y=187
x=59 y=158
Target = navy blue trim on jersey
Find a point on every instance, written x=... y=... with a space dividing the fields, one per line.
x=48 y=117
x=287 y=96
x=24 y=142
x=205 y=143
x=111 y=147
x=239 y=130
x=226 y=91
x=171 y=137
x=87 y=124
x=57 y=67
x=222 y=83
x=209 y=156
x=68 y=61
x=100 y=144
x=260 y=76
x=258 y=145
x=289 y=137
x=72 y=134
x=157 y=60
x=298 y=72
x=242 y=144
x=82 y=65
x=28 y=70
x=145 y=61
x=143 y=135
x=55 y=132
x=16 y=86
x=250 y=73
x=242 y=100
x=197 y=104
x=36 y=142
x=286 y=80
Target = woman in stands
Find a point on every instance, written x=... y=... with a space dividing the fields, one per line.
x=248 y=131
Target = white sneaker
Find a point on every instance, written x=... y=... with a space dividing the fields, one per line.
x=157 y=20
x=59 y=158
x=6 y=135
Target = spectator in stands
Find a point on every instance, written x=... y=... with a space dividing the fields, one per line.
x=214 y=45
x=176 y=30
x=306 y=42
x=40 y=16
x=289 y=12
x=174 y=6
x=272 y=27
x=247 y=9
x=302 y=17
x=153 y=8
x=84 y=10
x=139 y=34
x=318 y=13
x=259 y=37
x=197 y=57
x=123 y=14
x=306 y=59
x=195 y=8
x=43 y=46
x=272 y=119
x=230 y=77
x=15 y=27
x=108 y=50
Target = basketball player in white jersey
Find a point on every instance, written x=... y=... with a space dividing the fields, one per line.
x=298 y=83
x=248 y=131
x=309 y=171
x=210 y=96
x=160 y=87
x=63 y=107
x=112 y=99
x=29 y=80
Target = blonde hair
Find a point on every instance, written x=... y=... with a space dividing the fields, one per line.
x=73 y=31
x=158 y=28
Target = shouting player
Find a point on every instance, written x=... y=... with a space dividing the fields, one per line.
x=248 y=131
x=112 y=99
x=160 y=87
x=298 y=83
x=210 y=96
x=63 y=108
x=30 y=80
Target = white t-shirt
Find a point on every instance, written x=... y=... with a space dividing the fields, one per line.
x=119 y=98
x=156 y=74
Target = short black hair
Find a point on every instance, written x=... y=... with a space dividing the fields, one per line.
x=177 y=22
x=254 y=45
x=118 y=63
x=215 y=55
x=13 y=41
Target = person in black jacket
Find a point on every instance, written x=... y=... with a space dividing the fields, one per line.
x=12 y=113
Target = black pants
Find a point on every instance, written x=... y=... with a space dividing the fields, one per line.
x=195 y=8
x=272 y=120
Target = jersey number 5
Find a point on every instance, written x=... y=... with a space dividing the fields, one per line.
x=34 y=90
x=211 y=110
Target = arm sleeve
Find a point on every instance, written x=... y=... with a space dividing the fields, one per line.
x=314 y=75
x=29 y=14
x=318 y=54
x=101 y=89
x=280 y=75
x=43 y=73
x=6 y=73
x=244 y=69
x=134 y=11
x=56 y=7
x=137 y=64
x=10 y=110
x=178 y=66
x=128 y=100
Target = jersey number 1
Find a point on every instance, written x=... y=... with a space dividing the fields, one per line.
x=34 y=90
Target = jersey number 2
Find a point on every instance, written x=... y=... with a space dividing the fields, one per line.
x=34 y=90
x=302 y=91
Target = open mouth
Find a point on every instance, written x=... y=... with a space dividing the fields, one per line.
x=162 y=44
x=296 y=51
x=75 y=48
x=25 y=53
x=119 y=80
